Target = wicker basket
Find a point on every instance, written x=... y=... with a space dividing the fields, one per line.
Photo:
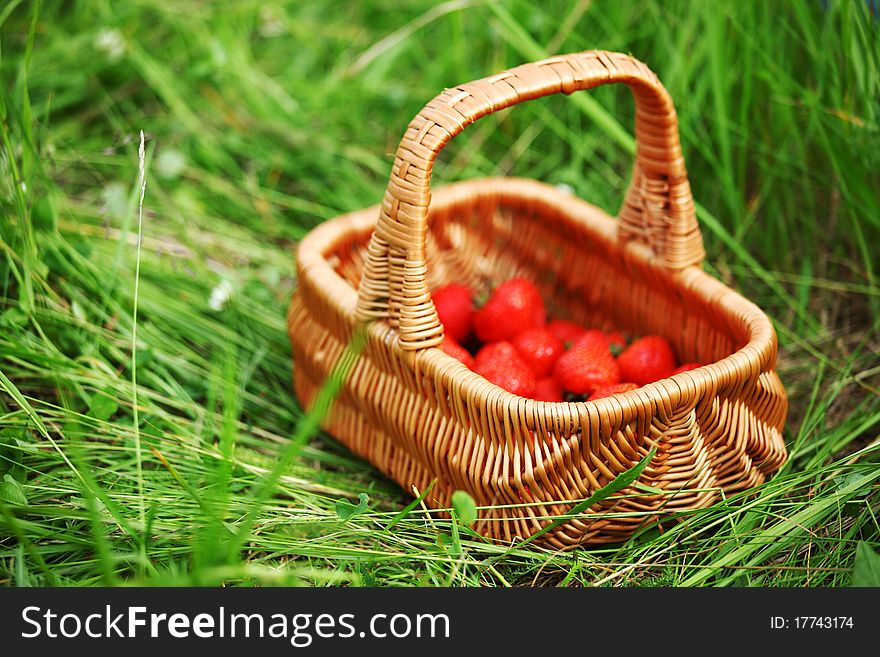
x=419 y=415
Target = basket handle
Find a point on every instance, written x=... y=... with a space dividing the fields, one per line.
x=658 y=209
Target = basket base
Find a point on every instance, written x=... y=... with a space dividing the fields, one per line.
x=350 y=427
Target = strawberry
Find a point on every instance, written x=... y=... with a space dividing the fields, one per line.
x=539 y=349
x=495 y=351
x=455 y=308
x=594 y=338
x=566 y=332
x=452 y=348
x=687 y=367
x=607 y=391
x=585 y=367
x=614 y=341
x=648 y=359
x=548 y=390
x=500 y=364
x=513 y=307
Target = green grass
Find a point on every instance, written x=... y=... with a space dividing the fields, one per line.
x=146 y=438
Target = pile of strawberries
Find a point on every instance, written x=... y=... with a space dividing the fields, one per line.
x=512 y=344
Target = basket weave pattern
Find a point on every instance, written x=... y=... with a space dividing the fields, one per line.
x=419 y=415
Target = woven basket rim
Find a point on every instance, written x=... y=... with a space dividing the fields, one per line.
x=758 y=354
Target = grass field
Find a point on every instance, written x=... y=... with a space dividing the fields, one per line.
x=148 y=432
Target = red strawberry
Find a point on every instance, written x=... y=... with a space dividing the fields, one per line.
x=687 y=367
x=539 y=349
x=566 y=332
x=607 y=391
x=452 y=348
x=495 y=351
x=594 y=338
x=548 y=390
x=614 y=341
x=648 y=359
x=500 y=364
x=585 y=367
x=513 y=307
x=455 y=308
